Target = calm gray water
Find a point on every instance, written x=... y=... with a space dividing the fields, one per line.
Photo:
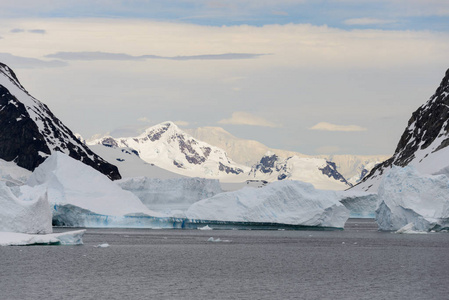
x=358 y=263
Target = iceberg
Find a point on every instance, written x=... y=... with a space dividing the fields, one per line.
x=170 y=194
x=24 y=214
x=23 y=239
x=281 y=202
x=406 y=196
x=72 y=184
x=360 y=204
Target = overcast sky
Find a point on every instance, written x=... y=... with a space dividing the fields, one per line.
x=317 y=77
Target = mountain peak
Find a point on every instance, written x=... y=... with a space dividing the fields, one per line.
x=29 y=132
x=426 y=134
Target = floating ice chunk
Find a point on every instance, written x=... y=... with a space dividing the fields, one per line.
x=23 y=239
x=218 y=240
x=406 y=196
x=282 y=202
x=205 y=228
x=409 y=229
x=105 y=245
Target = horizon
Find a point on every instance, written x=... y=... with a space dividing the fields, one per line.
x=288 y=74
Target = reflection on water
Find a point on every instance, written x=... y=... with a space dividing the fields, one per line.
x=357 y=263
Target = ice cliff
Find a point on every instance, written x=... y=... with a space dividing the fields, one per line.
x=170 y=194
x=406 y=196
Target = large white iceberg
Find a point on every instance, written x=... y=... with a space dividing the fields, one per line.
x=80 y=195
x=170 y=194
x=406 y=196
x=27 y=214
x=282 y=202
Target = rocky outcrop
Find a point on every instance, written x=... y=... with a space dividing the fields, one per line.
x=427 y=132
x=30 y=132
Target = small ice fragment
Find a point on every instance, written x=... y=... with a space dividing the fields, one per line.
x=355 y=243
x=342 y=242
x=211 y=239
x=205 y=228
x=105 y=245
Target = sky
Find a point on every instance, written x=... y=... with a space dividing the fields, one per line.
x=316 y=77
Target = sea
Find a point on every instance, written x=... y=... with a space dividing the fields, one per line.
x=356 y=263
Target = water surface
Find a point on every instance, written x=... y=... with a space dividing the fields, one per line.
x=357 y=263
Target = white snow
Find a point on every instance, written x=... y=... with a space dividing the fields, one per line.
x=170 y=194
x=70 y=182
x=408 y=229
x=13 y=174
x=283 y=202
x=406 y=196
x=23 y=239
x=24 y=214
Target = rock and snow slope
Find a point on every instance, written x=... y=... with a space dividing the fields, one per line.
x=424 y=143
x=29 y=132
x=168 y=147
x=284 y=202
x=406 y=196
x=321 y=173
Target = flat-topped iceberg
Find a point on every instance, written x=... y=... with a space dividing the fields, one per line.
x=406 y=196
x=282 y=202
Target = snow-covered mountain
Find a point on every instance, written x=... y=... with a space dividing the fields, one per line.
x=424 y=143
x=170 y=148
x=323 y=174
x=250 y=152
x=29 y=132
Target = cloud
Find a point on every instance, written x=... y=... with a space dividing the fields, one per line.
x=327 y=149
x=279 y=13
x=244 y=118
x=368 y=21
x=123 y=56
x=38 y=31
x=28 y=62
x=324 y=126
x=181 y=123
x=17 y=30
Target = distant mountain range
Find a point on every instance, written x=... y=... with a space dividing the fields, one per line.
x=168 y=147
x=30 y=132
x=424 y=143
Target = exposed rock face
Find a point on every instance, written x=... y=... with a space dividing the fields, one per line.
x=426 y=134
x=29 y=132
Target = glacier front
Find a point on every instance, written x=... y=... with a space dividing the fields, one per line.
x=170 y=194
x=281 y=202
x=407 y=196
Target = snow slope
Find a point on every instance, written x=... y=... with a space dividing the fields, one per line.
x=283 y=202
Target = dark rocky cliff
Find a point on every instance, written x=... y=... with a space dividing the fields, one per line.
x=29 y=132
